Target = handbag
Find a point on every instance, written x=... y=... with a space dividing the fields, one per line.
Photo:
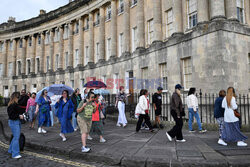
x=236 y=113
x=101 y=115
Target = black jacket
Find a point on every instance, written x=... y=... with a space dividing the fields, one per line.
x=23 y=102
x=74 y=100
x=14 y=111
x=176 y=104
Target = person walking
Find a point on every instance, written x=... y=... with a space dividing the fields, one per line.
x=97 y=125
x=84 y=119
x=23 y=100
x=219 y=114
x=44 y=111
x=177 y=112
x=76 y=99
x=231 y=131
x=157 y=104
x=142 y=108
x=31 y=109
x=193 y=111
x=120 y=103
x=65 y=109
x=15 y=114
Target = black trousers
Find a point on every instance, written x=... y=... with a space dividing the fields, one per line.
x=176 y=131
x=147 y=121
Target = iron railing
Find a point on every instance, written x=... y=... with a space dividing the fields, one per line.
x=205 y=100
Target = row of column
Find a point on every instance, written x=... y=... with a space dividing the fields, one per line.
x=218 y=9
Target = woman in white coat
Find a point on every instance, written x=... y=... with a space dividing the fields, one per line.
x=231 y=131
x=142 y=109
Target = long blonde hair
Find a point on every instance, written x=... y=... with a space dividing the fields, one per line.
x=230 y=95
x=14 y=98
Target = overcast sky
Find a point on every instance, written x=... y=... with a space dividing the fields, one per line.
x=26 y=9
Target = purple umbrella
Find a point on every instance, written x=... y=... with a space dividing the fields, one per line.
x=95 y=84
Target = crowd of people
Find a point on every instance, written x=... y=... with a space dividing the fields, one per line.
x=87 y=113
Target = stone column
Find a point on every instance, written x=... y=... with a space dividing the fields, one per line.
x=5 y=58
x=177 y=16
x=42 y=53
x=61 y=47
x=126 y=26
x=231 y=9
x=202 y=10
x=33 y=55
x=14 y=56
x=217 y=9
x=113 y=29
x=90 y=59
x=70 y=44
x=140 y=24
x=51 y=50
x=102 y=34
x=247 y=11
x=157 y=21
x=23 y=57
x=80 y=42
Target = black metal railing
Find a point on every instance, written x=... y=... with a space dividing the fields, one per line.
x=205 y=100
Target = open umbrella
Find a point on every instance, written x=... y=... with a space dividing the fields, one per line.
x=95 y=84
x=101 y=91
x=55 y=89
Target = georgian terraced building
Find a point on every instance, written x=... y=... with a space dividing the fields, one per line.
x=200 y=43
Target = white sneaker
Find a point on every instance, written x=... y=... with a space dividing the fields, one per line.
x=221 y=142
x=169 y=137
x=181 y=141
x=203 y=131
x=39 y=130
x=124 y=125
x=43 y=131
x=241 y=144
x=90 y=138
x=85 y=149
x=75 y=129
x=102 y=140
x=118 y=125
x=17 y=157
x=63 y=137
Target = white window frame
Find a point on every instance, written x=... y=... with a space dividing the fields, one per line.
x=66 y=59
x=187 y=72
x=163 y=75
x=108 y=14
x=169 y=23
x=1 y=70
x=97 y=50
x=120 y=49
x=108 y=48
x=134 y=38
x=47 y=63
x=66 y=32
x=76 y=57
x=57 y=36
x=87 y=53
x=19 y=67
x=191 y=14
x=11 y=45
x=150 y=31
x=28 y=66
x=77 y=27
x=37 y=64
x=240 y=5
x=1 y=46
x=10 y=69
x=57 y=61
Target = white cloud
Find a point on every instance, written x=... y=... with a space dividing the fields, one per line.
x=26 y=9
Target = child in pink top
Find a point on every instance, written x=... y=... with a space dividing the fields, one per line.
x=31 y=109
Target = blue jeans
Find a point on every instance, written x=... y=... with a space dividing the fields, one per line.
x=193 y=114
x=15 y=127
x=52 y=114
x=74 y=121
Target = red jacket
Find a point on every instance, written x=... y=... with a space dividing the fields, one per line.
x=96 y=115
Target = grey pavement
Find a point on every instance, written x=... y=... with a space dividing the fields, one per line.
x=125 y=147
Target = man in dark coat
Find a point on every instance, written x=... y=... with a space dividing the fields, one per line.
x=23 y=99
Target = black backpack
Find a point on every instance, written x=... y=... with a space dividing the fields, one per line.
x=21 y=141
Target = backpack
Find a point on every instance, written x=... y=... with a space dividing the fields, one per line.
x=21 y=141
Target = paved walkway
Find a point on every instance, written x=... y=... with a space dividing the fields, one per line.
x=127 y=148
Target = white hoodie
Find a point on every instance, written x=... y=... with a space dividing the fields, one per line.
x=142 y=106
x=192 y=102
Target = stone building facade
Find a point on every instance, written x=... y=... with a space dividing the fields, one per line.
x=135 y=43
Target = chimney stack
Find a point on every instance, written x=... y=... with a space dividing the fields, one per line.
x=42 y=12
x=11 y=19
